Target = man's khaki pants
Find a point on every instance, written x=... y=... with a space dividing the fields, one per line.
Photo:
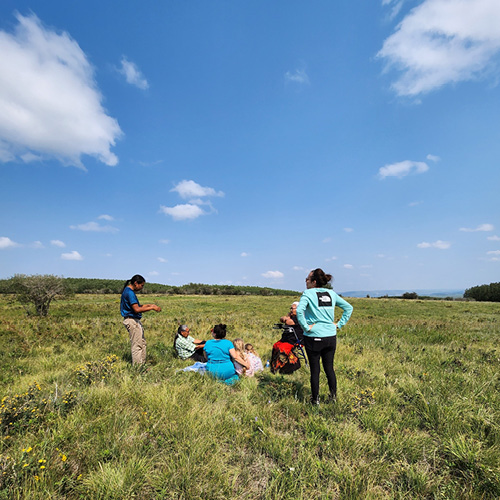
x=137 y=340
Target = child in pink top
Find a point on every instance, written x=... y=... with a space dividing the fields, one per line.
x=253 y=357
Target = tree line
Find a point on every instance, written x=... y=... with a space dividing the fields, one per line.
x=36 y=292
x=490 y=293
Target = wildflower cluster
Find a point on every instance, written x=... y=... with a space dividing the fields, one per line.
x=67 y=401
x=22 y=410
x=12 y=471
x=31 y=408
x=365 y=399
x=8 y=471
x=95 y=371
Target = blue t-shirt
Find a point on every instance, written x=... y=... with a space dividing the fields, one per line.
x=128 y=298
x=218 y=350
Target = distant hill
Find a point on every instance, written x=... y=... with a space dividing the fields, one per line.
x=456 y=294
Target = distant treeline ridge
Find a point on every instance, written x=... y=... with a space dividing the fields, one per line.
x=106 y=286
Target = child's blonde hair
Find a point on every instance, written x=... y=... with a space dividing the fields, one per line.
x=249 y=348
x=239 y=345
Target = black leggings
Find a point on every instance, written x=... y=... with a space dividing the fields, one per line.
x=324 y=348
x=199 y=355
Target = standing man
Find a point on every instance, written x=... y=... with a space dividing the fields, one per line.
x=131 y=310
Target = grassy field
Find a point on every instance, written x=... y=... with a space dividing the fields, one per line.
x=418 y=415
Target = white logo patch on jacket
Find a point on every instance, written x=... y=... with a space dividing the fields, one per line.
x=324 y=299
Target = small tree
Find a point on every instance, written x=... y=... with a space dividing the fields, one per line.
x=37 y=290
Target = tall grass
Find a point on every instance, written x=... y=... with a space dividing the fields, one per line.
x=417 y=414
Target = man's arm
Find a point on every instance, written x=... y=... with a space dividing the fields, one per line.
x=145 y=308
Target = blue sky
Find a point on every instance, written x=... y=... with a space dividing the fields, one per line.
x=247 y=142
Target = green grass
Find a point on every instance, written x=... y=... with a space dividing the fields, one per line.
x=417 y=417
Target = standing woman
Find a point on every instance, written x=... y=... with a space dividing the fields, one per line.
x=131 y=311
x=316 y=316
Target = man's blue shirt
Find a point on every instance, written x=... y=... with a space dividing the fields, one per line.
x=128 y=299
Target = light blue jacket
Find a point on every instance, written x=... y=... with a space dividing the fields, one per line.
x=316 y=312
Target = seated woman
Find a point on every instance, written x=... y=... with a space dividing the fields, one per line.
x=294 y=331
x=188 y=347
x=284 y=358
x=220 y=354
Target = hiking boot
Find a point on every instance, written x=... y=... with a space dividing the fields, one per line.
x=332 y=398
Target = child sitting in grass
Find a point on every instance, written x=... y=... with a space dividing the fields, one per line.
x=239 y=346
x=253 y=357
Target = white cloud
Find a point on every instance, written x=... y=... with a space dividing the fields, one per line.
x=7 y=243
x=273 y=274
x=329 y=259
x=109 y=218
x=481 y=227
x=150 y=163
x=494 y=238
x=194 y=193
x=299 y=76
x=441 y=245
x=494 y=252
x=74 y=255
x=37 y=244
x=161 y=259
x=94 y=227
x=164 y=242
x=441 y=42
x=402 y=169
x=191 y=189
x=244 y=254
x=297 y=268
x=395 y=8
x=183 y=212
x=414 y=203
x=49 y=102
x=348 y=229
x=433 y=158
x=133 y=75
x=30 y=157
x=58 y=243
x=153 y=273
x=348 y=266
